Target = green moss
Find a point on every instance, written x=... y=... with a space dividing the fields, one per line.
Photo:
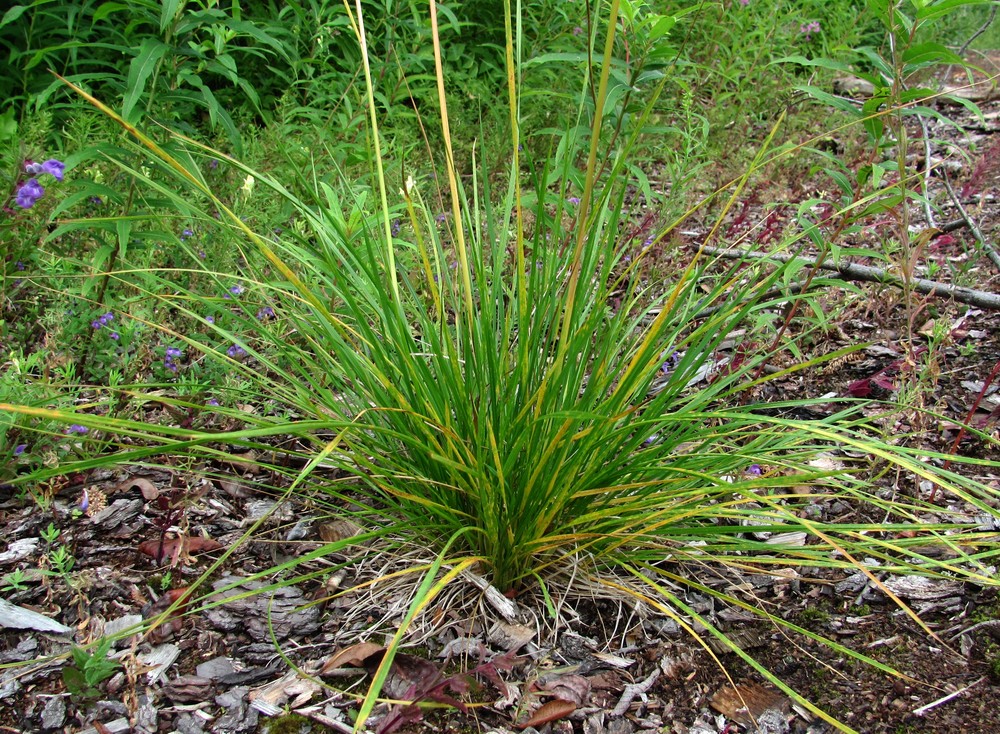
x=292 y=724
x=812 y=617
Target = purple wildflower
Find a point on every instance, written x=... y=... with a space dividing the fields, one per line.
x=671 y=362
x=114 y=335
x=76 y=428
x=396 y=226
x=210 y=319
x=213 y=402
x=19 y=449
x=236 y=351
x=754 y=470
x=573 y=200
x=28 y=193
x=171 y=354
x=265 y=313
x=96 y=324
x=807 y=29
x=52 y=167
x=84 y=501
x=440 y=217
x=96 y=200
x=187 y=233
x=19 y=265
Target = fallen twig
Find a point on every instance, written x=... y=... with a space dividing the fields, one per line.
x=632 y=690
x=868 y=274
x=976 y=232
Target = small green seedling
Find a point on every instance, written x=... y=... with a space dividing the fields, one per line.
x=89 y=669
x=51 y=534
x=14 y=581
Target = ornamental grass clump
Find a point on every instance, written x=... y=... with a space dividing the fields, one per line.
x=524 y=405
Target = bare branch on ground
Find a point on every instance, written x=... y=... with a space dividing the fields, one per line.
x=868 y=274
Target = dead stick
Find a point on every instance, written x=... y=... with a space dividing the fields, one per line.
x=868 y=274
x=976 y=232
x=632 y=690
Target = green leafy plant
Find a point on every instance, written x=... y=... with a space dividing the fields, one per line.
x=90 y=668
x=15 y=580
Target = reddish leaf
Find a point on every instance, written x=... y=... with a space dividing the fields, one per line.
x=174 y=548
x=555 y=709
x=861 y=388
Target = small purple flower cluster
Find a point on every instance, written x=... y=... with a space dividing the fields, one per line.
x=265 y=314
x=19 y=449
x=104 y=320
x=29 y=192
x=396 y=226
x=172 y=353
x=187 y=233
x=671 y=362
x=807 y=29
x=236 y=351
x=233 y=291
x=76 y=428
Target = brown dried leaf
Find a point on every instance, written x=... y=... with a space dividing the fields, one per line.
x=355 y=656
x=746 y=703
x=331 y=532
x=149 y=490
x=555 y=709
x=570 y=687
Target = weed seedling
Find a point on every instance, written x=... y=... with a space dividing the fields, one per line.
x=89 y=669
x=14 y=581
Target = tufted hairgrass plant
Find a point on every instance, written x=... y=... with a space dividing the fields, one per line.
x=518 y=400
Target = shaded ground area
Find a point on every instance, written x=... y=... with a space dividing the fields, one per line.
x=604 y=666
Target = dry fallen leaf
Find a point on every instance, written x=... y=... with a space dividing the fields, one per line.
x=148 y=489
x=336 y=530
x=746 y=703
x=555 y=709
x=355 y=656
x=569 y=687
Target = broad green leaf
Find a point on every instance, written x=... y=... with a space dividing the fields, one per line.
x=250 y=29
x=150 y=52
x=13 y=14
x=107 y=9
x=661 y=26
x=821 y=95
x=925 y=53
x=820 y=62
x=938 y=9
x=168 y=13
x=123 y=229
